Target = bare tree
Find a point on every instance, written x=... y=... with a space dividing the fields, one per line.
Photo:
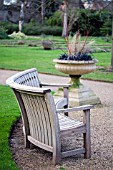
x=21 y=20
x=42 y=9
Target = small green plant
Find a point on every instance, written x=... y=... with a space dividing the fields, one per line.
x=18 y=35
x=62 y=168
x=53 y=92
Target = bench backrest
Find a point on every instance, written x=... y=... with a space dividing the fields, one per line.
x=28 y=77
x=38 y=110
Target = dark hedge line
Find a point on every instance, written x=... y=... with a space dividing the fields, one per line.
x=95 y=22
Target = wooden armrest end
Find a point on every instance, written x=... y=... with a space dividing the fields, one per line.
x=56 y=85
x=79 y=108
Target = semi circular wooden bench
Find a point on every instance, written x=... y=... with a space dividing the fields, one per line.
x=45 y=124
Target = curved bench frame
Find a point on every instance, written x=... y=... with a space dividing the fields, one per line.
x=44 y=125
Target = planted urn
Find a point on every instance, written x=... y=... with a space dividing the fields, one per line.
x=78 y=60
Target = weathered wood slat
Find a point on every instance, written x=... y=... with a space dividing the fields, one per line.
x=48 y=124
x=56 y=85
x=30 y=78
x=42 y=120
x=84 y=107
x=30 y=112
x=73 y=152
x=73 y=130
x=39 y=144
x=55 y=128
x=87 y=139
x=44 y=114
x=36 y=119
x=61 y=102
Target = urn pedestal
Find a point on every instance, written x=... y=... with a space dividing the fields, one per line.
x=78 y=93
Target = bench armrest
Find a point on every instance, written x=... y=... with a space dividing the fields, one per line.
x=84 y=107
x=65 y=89
x=56 y=85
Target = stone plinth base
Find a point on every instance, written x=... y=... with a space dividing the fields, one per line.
x=81 y=96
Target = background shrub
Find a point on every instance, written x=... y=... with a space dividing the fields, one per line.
x=97 y=23
x=9 y=27
x=30 y=29
x=54 y=20
x=3 y=34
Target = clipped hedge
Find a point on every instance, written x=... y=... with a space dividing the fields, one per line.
x=39 y=29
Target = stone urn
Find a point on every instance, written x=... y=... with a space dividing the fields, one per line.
x=78 y=93
x=75 y=68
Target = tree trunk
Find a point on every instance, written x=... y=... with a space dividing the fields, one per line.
x=42 y=9
x=21 y=20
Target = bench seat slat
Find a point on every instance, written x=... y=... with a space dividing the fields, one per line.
x=68 y=123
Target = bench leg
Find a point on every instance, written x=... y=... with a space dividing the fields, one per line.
x=87 y=139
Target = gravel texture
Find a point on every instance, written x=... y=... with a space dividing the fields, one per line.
x=101 y=136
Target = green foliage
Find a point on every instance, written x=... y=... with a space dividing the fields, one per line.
x=62 y=168
x=89 y=21
x=106 y=29
x=52 y=30
x=93 y=21
x=55 y=19
x=9 y=113
x=28 y=57
x=96 y=22
x=3 y=34
x=30 y=29
x=9 y=27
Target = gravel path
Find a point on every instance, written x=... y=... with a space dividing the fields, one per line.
x=101 y=134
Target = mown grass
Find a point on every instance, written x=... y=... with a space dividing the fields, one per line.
x=56 y=39
x=21 y=58
x=102 y=72
x=9 y=112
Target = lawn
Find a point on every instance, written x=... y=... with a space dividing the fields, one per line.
x=24 y=57
x=9 y=112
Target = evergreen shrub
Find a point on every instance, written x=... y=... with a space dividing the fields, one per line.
x=9 y=27
x=95 y=22
x=30 y=29
x=3 y=34
x=55 y=19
